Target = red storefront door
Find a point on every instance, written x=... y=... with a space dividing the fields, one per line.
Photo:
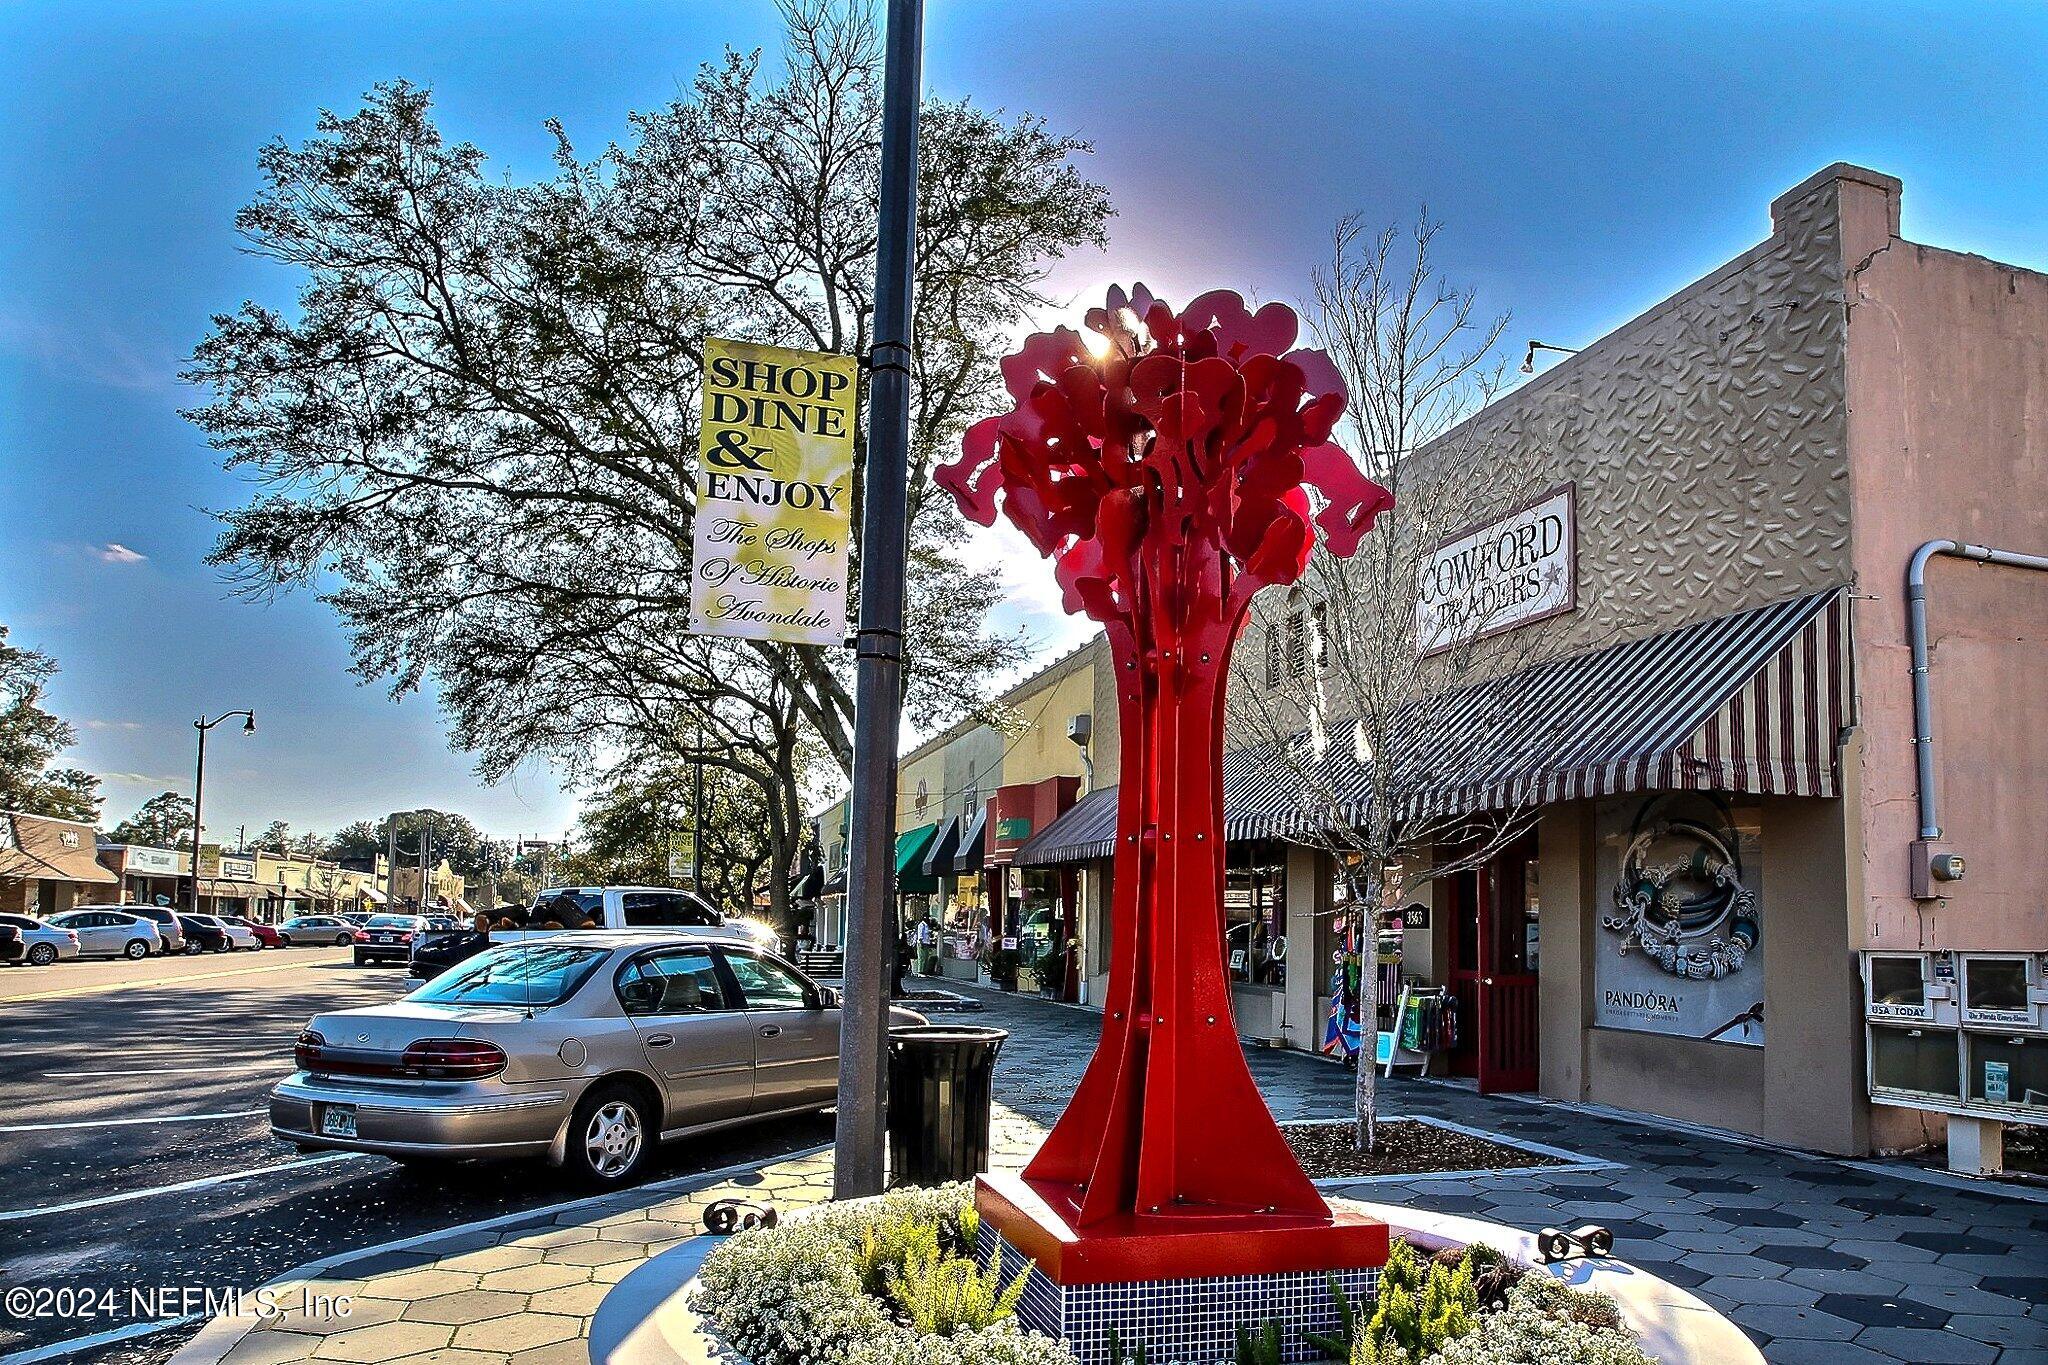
x=1493 y=954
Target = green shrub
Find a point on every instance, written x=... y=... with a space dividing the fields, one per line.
x=942 y=1294
x=1337 y=1344
x=1121 y=1355
x=794 y=1294
x=1261 y=1347
x=888 y=1246
x=1423 y=1304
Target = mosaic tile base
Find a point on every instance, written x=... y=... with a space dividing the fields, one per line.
x=1193 y=1322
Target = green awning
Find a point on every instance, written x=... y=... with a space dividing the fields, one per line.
x=911 y=846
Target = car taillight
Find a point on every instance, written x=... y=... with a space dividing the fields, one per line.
x=452 y=1059
x=306 y=1050
x=405 y=938
x=362 y=935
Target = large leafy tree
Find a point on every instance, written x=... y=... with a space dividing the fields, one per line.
x=477 y=430
x=163 y=821
x=30 y=740
x=626 y=825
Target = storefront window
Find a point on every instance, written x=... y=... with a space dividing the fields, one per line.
x=1039 y=929
x=960 y=928
x=1255 y=914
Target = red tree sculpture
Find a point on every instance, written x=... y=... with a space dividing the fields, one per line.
x=1167 y=476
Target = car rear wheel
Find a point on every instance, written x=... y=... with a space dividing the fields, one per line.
x=137 y=949
x=342 y=940
x=611 y=1136
x=41 y=955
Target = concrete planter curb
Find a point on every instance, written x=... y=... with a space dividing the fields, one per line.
x=647 y=1319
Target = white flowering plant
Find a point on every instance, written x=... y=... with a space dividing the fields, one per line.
x=804 y=1293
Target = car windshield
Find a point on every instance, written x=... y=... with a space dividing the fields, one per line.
x=518 y=974
x=391 y=922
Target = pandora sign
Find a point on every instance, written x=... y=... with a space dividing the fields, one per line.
x=1506 y=573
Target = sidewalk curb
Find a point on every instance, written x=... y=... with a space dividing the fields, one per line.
x=220 y=1336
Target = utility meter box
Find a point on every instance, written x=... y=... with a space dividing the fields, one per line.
x=1934 y=869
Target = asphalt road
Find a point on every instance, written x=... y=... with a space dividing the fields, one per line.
x=122 y=1084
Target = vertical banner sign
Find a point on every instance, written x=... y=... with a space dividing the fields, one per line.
x=682 y=854
x=209 y=861
x=774 y=494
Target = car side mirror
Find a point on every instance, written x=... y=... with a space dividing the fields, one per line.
x=641 y=996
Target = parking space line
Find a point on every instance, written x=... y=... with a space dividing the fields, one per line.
x=168 y=1070
x=57 y=1350
x=128 y=1123
x=107 y=986
x=204 y=1182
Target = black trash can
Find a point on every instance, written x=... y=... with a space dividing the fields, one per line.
x=940 y=1082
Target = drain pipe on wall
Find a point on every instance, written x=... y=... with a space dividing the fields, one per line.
x=1933 y=864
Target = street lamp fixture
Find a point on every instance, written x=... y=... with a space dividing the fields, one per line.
x=202 y=725
x=1529 y=360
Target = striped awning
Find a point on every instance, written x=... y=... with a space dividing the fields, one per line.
x=1085 y=831
x=1753 y=702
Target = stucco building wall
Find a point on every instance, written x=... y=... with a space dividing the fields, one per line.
x=1707 y=440
x=1948 y=387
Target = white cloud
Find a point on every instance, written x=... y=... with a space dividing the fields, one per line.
x=114 y=552
x=96 y=356
x=138 y=780
x=1031 y=596
x=113 y=725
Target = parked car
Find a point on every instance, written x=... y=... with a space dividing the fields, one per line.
x=633 y=907
x=586 y=1048
x=41 y=942
x=109 y=931
x=316 y=930
x=266 y=934
x=386 y=937
x=239 y=936
x=203 y=935
x=168 y=926
x=434 y=953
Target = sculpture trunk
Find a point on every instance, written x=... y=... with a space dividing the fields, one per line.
x=1167 y=1122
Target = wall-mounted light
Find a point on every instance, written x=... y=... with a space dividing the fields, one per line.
x=1529 y=360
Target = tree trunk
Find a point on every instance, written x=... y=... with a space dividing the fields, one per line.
x=1365 y=1088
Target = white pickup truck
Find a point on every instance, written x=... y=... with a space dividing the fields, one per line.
x=588 y=907
x=632 y=907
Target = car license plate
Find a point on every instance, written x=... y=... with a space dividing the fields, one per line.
x=383 y=938
x=338 y=1120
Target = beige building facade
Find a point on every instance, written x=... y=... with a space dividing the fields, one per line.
x=1720 y=738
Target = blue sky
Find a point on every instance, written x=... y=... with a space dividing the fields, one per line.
x=1586 y=160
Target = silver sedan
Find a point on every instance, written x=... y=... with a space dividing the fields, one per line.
x=42 y=941
x=105 y=931
x=586 y=1047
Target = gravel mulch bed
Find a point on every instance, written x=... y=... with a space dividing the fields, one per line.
x=1404 y=1147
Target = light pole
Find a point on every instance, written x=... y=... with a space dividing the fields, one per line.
x=199 y=788
x=861 y=1149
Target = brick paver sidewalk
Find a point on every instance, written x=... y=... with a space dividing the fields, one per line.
x=1818 y=1261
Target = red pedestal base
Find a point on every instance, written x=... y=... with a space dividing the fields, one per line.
x=1033 y=1217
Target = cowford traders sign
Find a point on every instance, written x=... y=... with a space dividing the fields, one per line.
x=774 y=494
x=1509 y=572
